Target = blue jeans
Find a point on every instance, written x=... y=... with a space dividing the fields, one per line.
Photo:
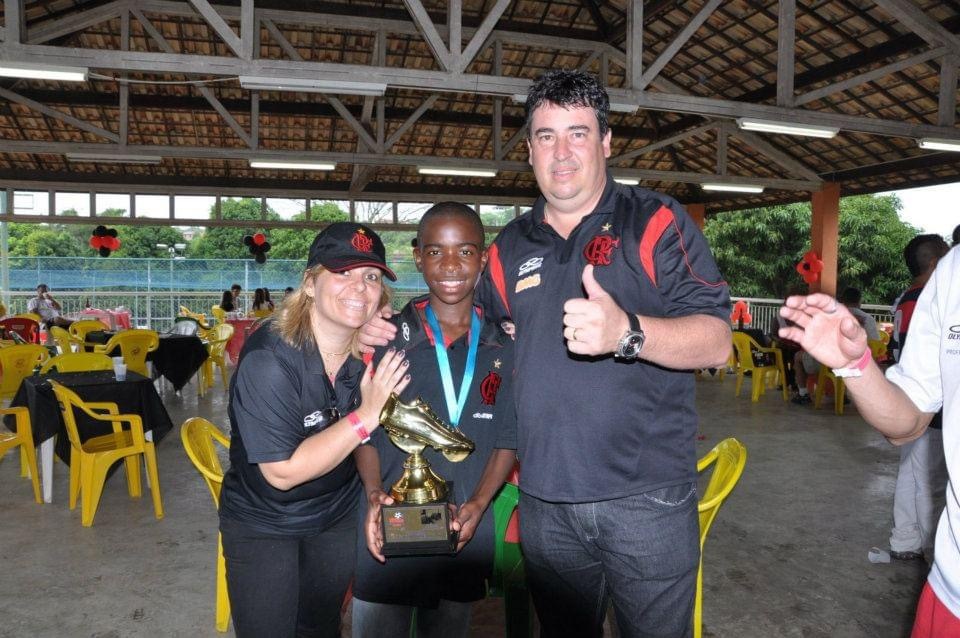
x=380 y=620
x=642 y=551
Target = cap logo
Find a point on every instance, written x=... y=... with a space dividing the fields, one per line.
x=361 y=242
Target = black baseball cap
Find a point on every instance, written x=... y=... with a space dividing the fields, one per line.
x=346 y=245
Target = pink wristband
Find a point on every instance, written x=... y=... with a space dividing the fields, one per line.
x=358 y=427
x=857 y=369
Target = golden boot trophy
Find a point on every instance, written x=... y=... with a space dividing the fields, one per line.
x=419 y=522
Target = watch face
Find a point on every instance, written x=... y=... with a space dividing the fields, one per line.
x=631 y=344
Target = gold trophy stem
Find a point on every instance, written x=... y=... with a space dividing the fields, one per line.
x=419 y=484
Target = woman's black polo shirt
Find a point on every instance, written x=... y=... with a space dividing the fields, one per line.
x=592 y=429
x=276 y=395
x=489 y=419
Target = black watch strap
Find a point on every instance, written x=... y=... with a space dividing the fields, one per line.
x=634 y=322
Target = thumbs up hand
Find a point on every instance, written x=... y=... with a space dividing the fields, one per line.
x=593 y=326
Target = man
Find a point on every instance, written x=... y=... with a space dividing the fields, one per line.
x=901 y=406
x=922 y=474
x=47 y=307
x=805 y=365
x=615 y=298
x=235 y=290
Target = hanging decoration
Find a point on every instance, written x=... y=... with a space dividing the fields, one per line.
x=810 y=267
x=258 y=246
x=741 y=313
x=104 y=240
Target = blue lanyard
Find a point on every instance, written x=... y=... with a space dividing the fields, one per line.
x=455 y=402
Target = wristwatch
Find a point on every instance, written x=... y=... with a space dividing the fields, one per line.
x=630 y=344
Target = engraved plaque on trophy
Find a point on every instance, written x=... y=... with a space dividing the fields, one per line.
x=419 y=521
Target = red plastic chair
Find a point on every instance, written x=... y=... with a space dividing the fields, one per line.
x=27 y=329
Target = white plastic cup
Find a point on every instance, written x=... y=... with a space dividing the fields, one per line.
x=119 y=369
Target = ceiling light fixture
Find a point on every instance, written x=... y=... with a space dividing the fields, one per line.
x=934 y=144
x=308 y=85
x=770 y=126
x=457 y=172
x=113 y=158
x=43 y=72
x=733 y=188
x=303 y=166
x=617 y=107
x=627 y=181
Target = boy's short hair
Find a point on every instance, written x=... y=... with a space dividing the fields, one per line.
x=451 y=209
x=922 y=251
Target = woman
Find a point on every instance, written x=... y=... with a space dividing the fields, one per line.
x=261 y=301
x=226 y=301
x=300 y=402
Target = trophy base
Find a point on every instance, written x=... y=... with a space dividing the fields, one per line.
x=417 y=530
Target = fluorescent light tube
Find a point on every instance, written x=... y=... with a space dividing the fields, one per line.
x=309 y=85
x=460 y=172
x=933 y=144
x=113 y=158
x=519 y=98
x=769 y=126
x=304 y=166
x=43 y=72
x=733 y=188
x=627 y=181
x=623 y=108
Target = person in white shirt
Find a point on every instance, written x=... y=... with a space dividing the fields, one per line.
x=901 y=406
x=47 y=307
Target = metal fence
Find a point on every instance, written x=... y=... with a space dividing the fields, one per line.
x=153 y=289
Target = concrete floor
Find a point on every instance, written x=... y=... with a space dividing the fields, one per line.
x=787 y=555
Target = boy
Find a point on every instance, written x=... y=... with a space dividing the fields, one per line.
x=450 y=254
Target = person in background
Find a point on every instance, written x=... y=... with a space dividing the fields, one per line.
x=902 y=405
x=440 y=589
x=226 y=301
x=48 y=308
x=922 y=474
x=237 y=292
x=261 y=302
x=3 y=310
x=614 y=297
x=286 y=292
x=266 y=297
x=301 y=401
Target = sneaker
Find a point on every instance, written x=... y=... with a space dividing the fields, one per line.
x=801 y=399
x=908 y=555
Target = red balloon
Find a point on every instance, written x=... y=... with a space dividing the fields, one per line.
x=259 y=238
x=95 y=242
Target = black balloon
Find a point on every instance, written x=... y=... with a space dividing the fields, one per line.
x=260 y=258
x=265 y=246
x=104 y=251
x=248 y=241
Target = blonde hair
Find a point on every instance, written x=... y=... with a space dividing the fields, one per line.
x=292 y=319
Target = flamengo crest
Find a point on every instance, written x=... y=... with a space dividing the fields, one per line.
x=599 y=249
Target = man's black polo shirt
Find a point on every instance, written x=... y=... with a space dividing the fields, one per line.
x=489 y=419
x=597 y=428
x=275 y=396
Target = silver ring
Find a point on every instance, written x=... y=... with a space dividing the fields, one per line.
x=834 y=309
x=573 y=337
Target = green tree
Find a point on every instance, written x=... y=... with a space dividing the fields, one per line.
x=227 y=242
x=141 y=241
x=758 y=250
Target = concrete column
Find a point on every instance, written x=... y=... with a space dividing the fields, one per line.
x=825 y=235
x=698 y=213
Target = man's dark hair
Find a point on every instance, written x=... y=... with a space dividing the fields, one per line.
x=850 y=296
x=451 y=209
x=923 y=251
x=956 y=235
x=45 y=286
x=569 y=88
x=236 y=287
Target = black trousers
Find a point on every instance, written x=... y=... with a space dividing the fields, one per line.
x=288 y=586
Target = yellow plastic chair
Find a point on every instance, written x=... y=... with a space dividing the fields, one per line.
x=216 y=347
x=744 y=346
x=29 y=315
x=199 y=440
x=259 y=314
x=79 y=329
x=18 y=362
x=839 y=389
x=90 y=460
x=22 y=438
x=878 y=347
x=62 y=338
x=77 y=362
x=219 y=314
x=134 y=346
x=728 y=459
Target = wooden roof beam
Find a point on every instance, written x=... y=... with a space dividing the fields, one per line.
x=912 y=17
x=57 y=115
x=13 y=20
x=678 y=42
x=220 y=26
x=51 y=29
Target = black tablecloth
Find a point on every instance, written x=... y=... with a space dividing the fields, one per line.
x=134 y=395
x=177 y=358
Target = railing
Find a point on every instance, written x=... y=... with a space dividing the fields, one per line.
x=764 y=313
